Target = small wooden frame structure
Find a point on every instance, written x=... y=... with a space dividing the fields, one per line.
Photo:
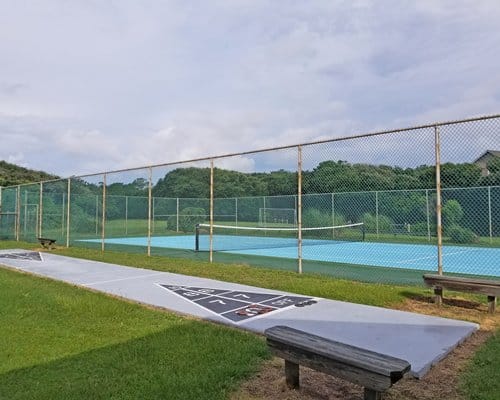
x=491 y=288
x=374 y=371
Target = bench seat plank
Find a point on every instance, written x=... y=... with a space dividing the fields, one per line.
x=491 y=288
x=366 y=368
x=483 y=286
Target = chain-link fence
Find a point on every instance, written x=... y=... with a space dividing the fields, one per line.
x=382 y=207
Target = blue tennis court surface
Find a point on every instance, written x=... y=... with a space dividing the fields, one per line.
x=456 y=259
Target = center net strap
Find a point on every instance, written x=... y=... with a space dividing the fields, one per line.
x=231 y=238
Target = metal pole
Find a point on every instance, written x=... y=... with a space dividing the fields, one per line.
x=126 y=215
x=236 y=210
x=489 y=215
x=211 y=208
x=62 y=213
x=40 y=211
x=376 y=213
x=96 y=214
x=177 y=215
x=153 y=218
x=18 y=211
x=150 y=204
x=428 y=215
x=68 y=212
x=25 y=211
x=299 y=207
x=439 y=228
x=103 y=228
x=333 y=215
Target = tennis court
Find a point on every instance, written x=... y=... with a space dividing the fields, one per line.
x=420 y=257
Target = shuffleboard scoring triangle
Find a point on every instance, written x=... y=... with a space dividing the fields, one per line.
x=25 y=255
x=236 y=305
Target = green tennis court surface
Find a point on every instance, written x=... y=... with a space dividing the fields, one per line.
x=420 y=257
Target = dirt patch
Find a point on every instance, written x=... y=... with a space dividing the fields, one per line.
x=441 y=382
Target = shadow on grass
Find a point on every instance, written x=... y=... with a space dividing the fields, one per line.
x=186 y=362
x=428 y=298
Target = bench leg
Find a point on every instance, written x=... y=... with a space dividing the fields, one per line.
x=492 y=301
x=292 y=374
x=371 y=394
x=438 y=295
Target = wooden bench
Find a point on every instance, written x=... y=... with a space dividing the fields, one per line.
x=491 y=288
x=47 y=243
x=375 y=372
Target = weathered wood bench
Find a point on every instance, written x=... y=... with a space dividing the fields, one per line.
x=491 y=288
x=375 y=372
x=47 y=243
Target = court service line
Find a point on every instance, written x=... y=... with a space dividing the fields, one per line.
x=435 y=256
x=122 y=279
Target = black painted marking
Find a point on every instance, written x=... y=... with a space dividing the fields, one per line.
x=28 y=255
x=237 y=305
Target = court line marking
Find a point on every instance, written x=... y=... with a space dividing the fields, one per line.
x=122 y=279
x=435 y=256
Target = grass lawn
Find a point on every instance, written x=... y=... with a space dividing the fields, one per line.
x=64 y=342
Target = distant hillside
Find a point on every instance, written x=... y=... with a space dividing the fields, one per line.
x=11 y=174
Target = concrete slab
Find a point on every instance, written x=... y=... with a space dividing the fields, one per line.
x=421 y=340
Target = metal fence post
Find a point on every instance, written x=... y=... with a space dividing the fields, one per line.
x=40 y=211
x=150 y=204
x=236 y=211
x=299 y=208
x=376 y=214
x=103 y=228
x=68 y=213
x=490 y=224
x=25 y=226
x=96 y=214
x=126 y=215
x=439 y=228
x=62 y=213
x=18 y=211
x=428 y=214
x=177 y=215
x=211 y=209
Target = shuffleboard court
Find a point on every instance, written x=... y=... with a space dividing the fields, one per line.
x=420 y=257
x=420 y=339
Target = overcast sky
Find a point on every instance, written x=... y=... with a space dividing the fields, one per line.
x=88 y=86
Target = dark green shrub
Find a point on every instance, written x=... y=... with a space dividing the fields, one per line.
x=459 y=234
x=188 y=218
x=313 y=218
x=370 y=221
x=421 y=229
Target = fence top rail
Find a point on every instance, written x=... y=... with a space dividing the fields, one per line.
x=228 y=155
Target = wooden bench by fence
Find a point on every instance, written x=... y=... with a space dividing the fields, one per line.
x=47 y=243
x=375 y=372
x=491 y=288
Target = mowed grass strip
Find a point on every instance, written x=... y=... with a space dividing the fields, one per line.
x=62 y=342
x=481 y=381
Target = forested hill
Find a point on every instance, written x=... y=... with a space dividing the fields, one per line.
x=11 y=174
x=326 y=177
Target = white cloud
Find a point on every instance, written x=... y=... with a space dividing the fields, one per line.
x=93 y=86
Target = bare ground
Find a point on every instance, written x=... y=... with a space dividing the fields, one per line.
x=441 y=382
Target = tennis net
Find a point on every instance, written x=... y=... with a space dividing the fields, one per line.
x=227 y=238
